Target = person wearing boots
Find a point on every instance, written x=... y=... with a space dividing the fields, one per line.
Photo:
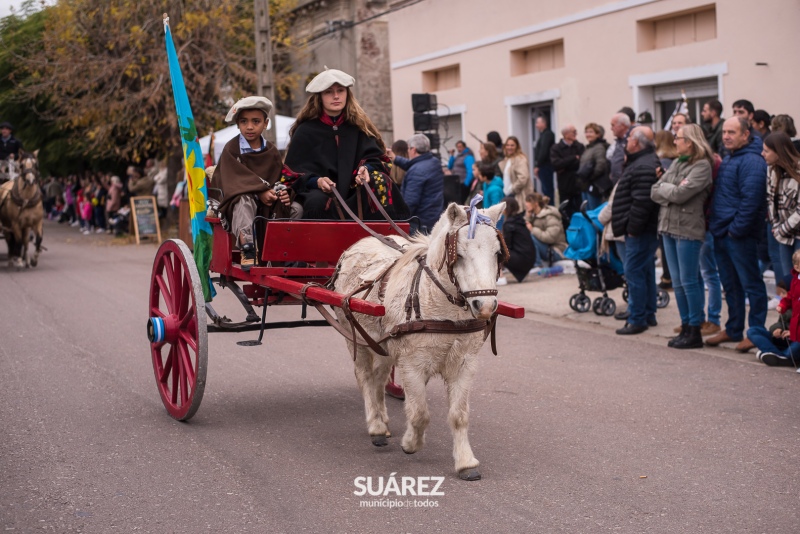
x=253 y=179
x=635 y=216
x=681 y=192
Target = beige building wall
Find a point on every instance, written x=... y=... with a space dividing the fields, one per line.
x=345 y=35
x=596 y=59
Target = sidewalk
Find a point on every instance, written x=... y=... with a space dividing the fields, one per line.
x=547 y=300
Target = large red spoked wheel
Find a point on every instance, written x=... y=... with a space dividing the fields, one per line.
x=177 y=329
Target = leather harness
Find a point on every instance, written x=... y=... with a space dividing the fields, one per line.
x=24 y=203
x=417 y=325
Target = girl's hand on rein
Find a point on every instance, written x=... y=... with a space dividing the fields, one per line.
x=325 y=184
x=363 y=176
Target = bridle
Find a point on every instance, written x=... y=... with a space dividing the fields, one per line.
x=29 y=168
x=451 y=257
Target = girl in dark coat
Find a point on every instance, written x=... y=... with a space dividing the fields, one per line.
x=518 y=239
x=334 y=144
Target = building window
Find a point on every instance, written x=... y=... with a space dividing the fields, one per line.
x=441 y=79
x=546 y=56
x=668 y=98
x=675 y=29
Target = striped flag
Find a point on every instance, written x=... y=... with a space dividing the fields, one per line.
x=195 y=173
x=681 y=107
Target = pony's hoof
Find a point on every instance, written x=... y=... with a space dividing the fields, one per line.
x=380 y=441
x=407 y=451
x=469 y=474
x=34 y=262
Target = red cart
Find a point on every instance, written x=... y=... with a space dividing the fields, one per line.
x=179 y=319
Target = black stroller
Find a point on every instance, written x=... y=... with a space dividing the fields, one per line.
x=596 y=272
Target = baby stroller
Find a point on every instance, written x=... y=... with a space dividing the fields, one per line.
x=596 y=272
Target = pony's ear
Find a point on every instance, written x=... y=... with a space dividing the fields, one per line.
x=36 y=153
x=456 y=215
x=496 y=211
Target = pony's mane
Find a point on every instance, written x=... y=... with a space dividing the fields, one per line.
x=418 y=245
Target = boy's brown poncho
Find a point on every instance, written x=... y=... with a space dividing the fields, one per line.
x=239 y=174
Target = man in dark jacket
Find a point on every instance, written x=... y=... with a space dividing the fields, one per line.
x=542 y=166
x=566 y=159
x=8 y=143
x=738 y=210
x=423 y=184
x=712 y=124
x=635 y=216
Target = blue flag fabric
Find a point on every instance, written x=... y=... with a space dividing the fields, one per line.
x=202 y=234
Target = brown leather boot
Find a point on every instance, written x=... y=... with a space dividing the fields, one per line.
x=722 y=337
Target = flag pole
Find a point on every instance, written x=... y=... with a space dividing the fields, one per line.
x=202 y=233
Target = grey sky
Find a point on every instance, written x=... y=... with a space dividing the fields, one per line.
x=5 y=6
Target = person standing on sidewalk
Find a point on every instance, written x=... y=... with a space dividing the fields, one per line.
x=783 y=205
x=712 y=124
x=516 y=177
x=681 y=192
x=593 y=171
x=738 y=212
x=566 y=159
x=423 y=184
x=635 y=216
x=621 y=128
x=543 y=167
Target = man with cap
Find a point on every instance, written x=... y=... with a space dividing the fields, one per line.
x=334 y=144
x=252 y=177
x=8 y=143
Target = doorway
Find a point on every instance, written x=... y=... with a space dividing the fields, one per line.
x=522 y=113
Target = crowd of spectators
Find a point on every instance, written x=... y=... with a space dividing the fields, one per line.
x=718 y=199
x=98 y=202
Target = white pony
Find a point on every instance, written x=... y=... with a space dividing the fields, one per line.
x=419 y=356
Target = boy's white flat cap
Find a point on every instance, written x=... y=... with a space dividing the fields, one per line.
x=328 y=77
x=250 y=102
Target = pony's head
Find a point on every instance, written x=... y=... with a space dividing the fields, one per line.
x=473 y=264
x=29 y=167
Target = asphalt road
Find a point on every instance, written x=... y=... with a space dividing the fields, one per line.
x=577 y=430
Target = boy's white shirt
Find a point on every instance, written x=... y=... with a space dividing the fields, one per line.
x=245 y=148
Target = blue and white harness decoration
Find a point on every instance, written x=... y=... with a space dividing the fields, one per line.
x=475 y=217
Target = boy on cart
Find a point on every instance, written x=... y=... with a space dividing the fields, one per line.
x=253 y=179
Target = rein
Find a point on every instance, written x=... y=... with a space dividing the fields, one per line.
x=417 y=325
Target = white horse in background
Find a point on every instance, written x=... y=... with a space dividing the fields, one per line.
x=9 y=169
x=420 y=356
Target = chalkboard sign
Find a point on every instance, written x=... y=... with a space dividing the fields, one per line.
x=145 y=218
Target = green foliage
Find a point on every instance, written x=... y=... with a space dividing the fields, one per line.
x=87 y=81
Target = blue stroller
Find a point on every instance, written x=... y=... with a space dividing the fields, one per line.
x=596 y=272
